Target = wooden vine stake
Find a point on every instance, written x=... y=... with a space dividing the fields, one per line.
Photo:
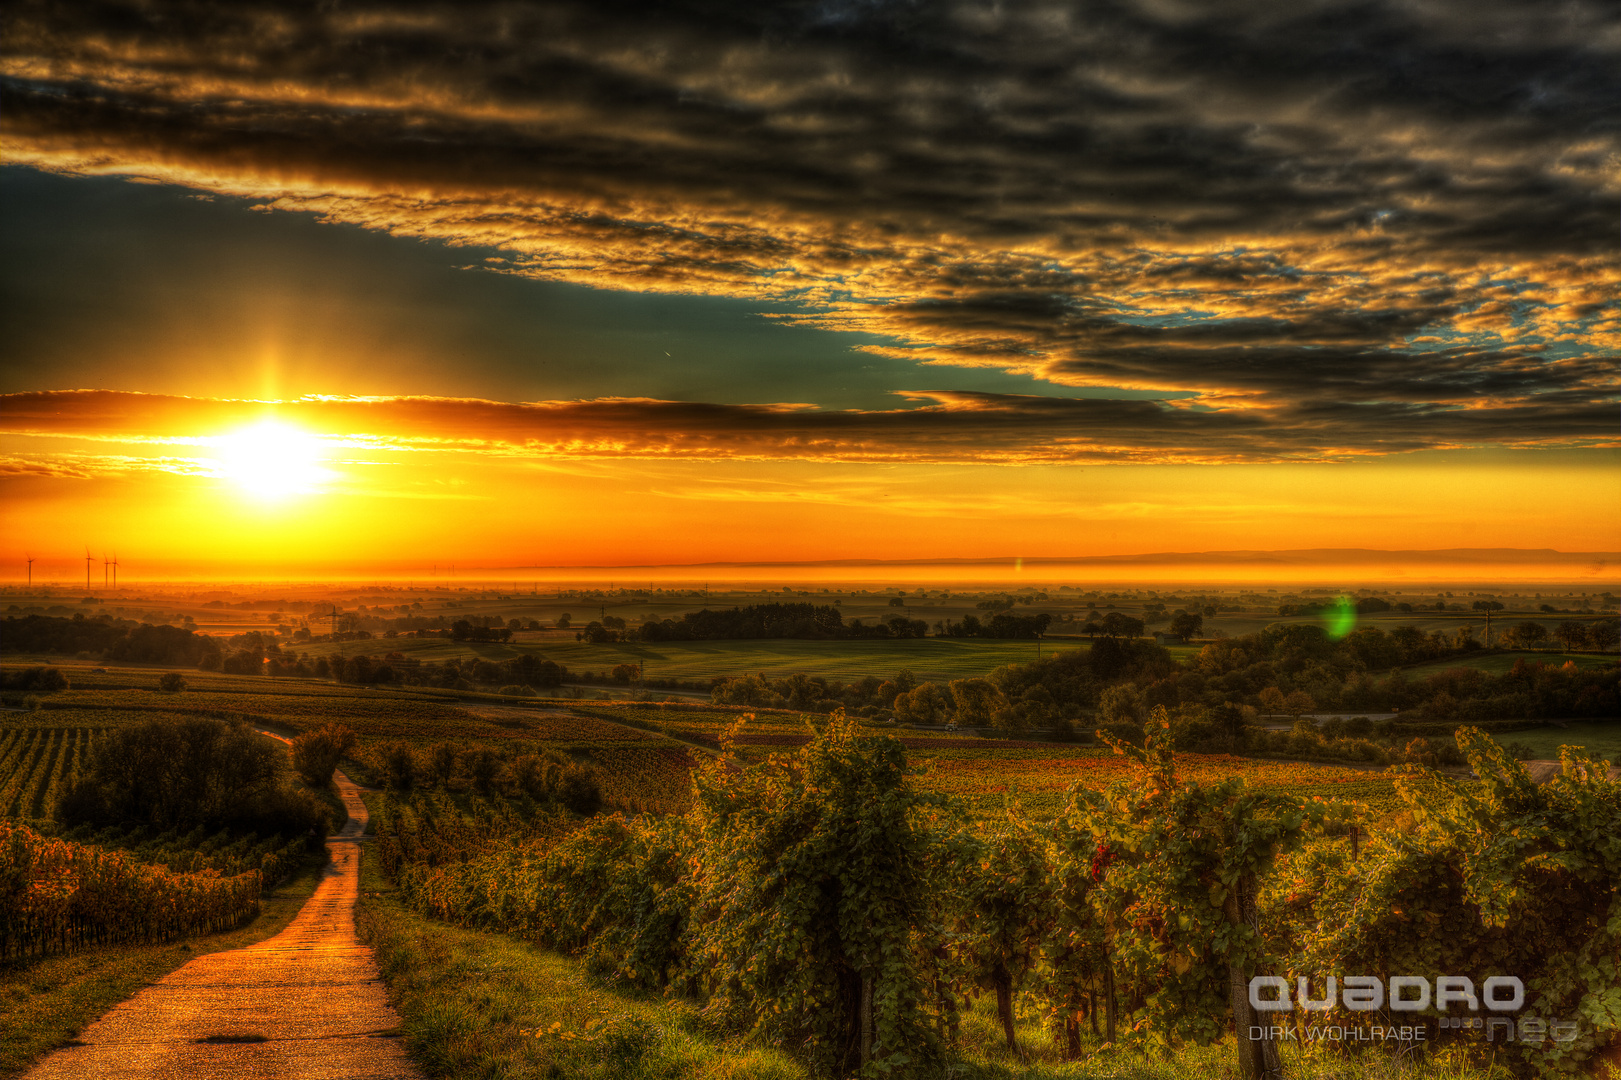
x=866 y=1017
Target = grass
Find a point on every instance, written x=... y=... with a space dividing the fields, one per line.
x=480 y=1005
x=1601 y=737
x=46 y=1002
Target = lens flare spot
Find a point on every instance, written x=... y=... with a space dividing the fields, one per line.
x=1340 y=619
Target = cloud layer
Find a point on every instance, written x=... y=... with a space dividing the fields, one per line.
x=1347 y=228
x=940 y=427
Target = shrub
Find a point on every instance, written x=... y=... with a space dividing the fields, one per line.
x=484 y=765
x=171 y=682
x=810 y=917
x=317 y=753
x=47 y=679
x=442 y=758
x=580 y=790
x=399 y=765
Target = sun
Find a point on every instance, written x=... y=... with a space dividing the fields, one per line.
x=271 y=461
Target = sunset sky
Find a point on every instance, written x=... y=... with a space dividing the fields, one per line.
x=375 y=286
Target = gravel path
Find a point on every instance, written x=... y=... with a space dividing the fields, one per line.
x=306 y=1003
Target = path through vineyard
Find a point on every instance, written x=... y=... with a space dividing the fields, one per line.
x=307 y=1003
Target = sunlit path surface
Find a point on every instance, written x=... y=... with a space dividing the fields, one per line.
x=306 y=1003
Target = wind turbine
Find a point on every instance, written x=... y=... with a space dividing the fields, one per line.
x=87 y=561
x=115 y=571
x=30 y=570
x=104 y=569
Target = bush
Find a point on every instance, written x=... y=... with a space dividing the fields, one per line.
x=317 y=753
x=442 y=758
x=516 y=690
x=398 y=765
x=579 y=790
x=46 y=679
x=171 y=682
x=484 y=765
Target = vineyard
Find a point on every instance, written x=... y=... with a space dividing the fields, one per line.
x=222 y=852
x=56 y=895
x=836 y=902
x=36 y=765
x=121 y=884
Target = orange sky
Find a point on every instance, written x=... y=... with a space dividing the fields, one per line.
x=174 y=483
x=538 y=284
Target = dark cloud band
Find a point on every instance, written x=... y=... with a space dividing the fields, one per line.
x=940 y=427
x=1383 y=214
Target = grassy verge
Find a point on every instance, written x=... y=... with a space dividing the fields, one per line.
x=485 y=1006
x=479 y=1005
x=46 y=1002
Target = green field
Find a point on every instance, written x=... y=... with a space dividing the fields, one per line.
x=1601 y=737
x=1499 y=663
x=935 y=659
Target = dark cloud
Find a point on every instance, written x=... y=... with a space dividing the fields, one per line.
x=939 y=427
x=1292 y=209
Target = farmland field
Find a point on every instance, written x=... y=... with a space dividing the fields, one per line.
x=1498 y=663
x=1601 y=738
x=937 y=659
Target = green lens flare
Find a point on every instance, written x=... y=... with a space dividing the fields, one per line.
x=1341 y=618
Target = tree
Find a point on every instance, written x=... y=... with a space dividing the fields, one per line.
x=483 y=765
x=399 y=765
x=442 y=758
x=580 y=790
x=977 y=700
x=925 y=704
x=1187 y=625
x=1122 y=704
x=316 y=753
x=179 y=774
x=1297 y=702
x=1121 y=625
x=1484 y=860
x=1528 y=634
x=1571 y=635
x=171 y=682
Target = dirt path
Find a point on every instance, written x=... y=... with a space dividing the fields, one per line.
x=307 y=1003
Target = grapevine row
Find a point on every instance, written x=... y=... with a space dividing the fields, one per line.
x=56 y=896
x=37 y=765
x=822 y=901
